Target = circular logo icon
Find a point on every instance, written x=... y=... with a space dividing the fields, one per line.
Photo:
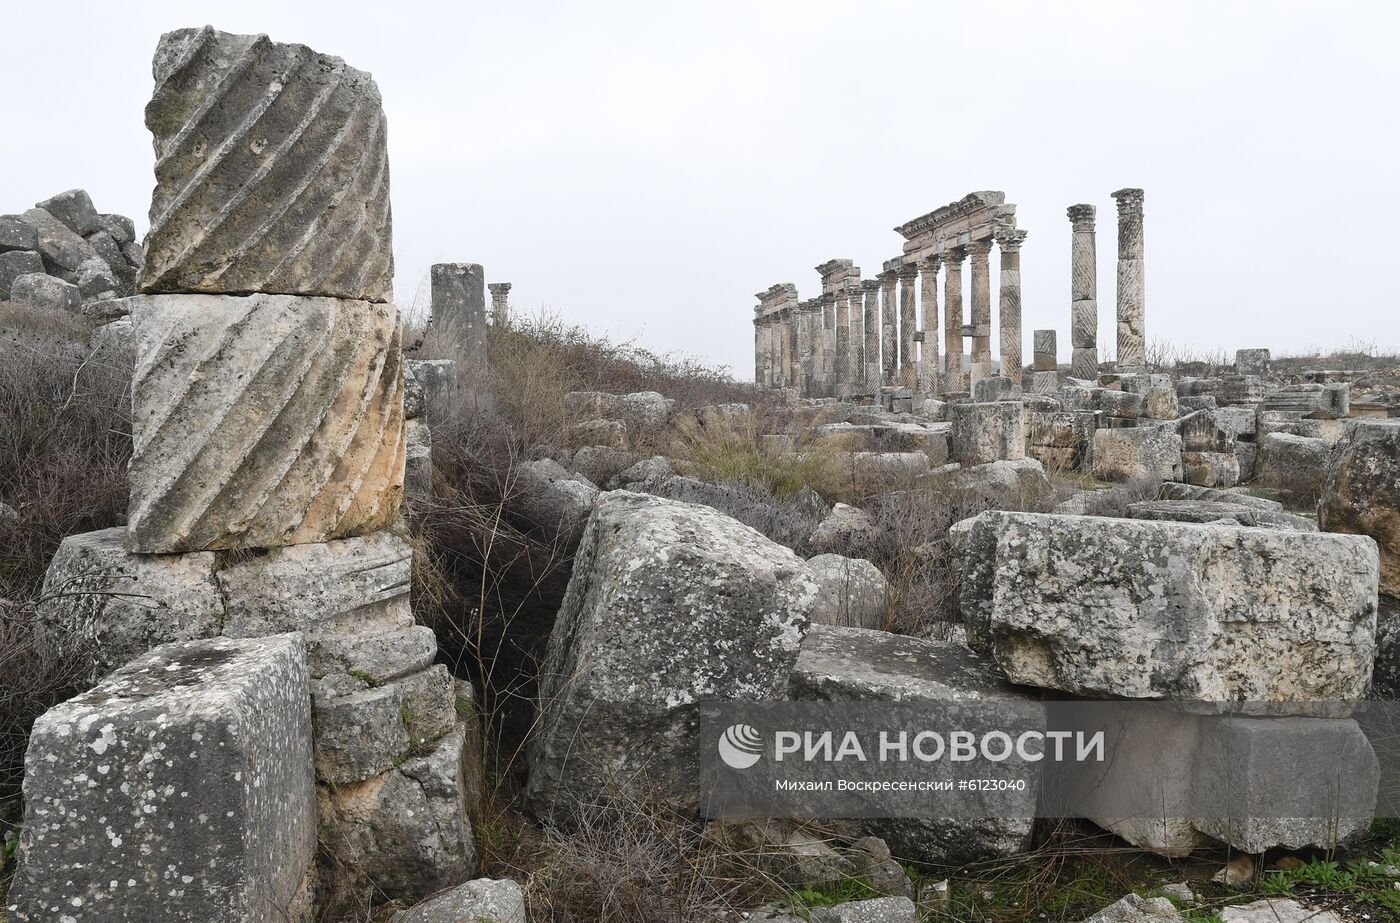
x=740 y=746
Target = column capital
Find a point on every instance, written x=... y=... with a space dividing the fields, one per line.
x=1129 y=201
x=979 y=249
x=1082 y=216
x=1010 y=240
x=930 y=264
x=498 y=288
x=955 y=256
x=888 y=277
x=908 y=270
x=870 y=285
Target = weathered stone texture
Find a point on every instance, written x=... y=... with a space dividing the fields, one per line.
x=848 y=664
x=272 y=173
x=1138 y=609
x=1362 y=492
x=1138 y=453
x=1296 y=466
x=670 y=605
x=263 y=420
x=850 y=591
x=987 y=432
x=115 y=606
x=178 y=789
x=483 y=900
x=459 y=307
x=16 y=263
x=46 y=293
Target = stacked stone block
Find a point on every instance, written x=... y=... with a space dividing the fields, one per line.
x=1275 y=626
x=269 y=439
x=1045 y=376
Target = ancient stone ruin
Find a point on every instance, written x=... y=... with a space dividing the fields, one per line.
x=881 y=336
x=265 y=721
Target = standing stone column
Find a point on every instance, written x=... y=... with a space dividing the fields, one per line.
x=828 y=350
x=1044 y=362
x=1083 y=295
x=500 y=305
x=889 y=342
x=809 y=345
x=908 y=278
x=1009 y=306
x=855 y=365
x=1132 y=335
x=978 y=252
x=760 y=351
x=841 y=366
x=929 y=380
x=786 y=337
x=953 y=378
x=870 y=289
x=459 y=308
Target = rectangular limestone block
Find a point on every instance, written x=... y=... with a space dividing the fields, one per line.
x=987 y=432
x=350 y=598
x=1137 y=609
x=103 y=600
x=1137 y=453
x=180 y=788
x=263 y=420
x=272 y=171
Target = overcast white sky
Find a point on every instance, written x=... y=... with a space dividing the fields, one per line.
x=644 y=168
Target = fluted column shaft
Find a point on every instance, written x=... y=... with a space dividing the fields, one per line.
x=978 y=252
x=908 y=321
x=841 y=373
x=889 y=343
x=929 y=381
x=1132 y=331
x=1083 y=294
x=1011 y=341
x=953 y=378
x=870 y=289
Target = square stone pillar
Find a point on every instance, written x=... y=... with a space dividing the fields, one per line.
x=1083 y=295
x=870 y=290
x=1009 y=306
x=889 y=342
x=459 y=307
x=953 y=377
x=929 y=379
x=1132 y=332
x=978 y=252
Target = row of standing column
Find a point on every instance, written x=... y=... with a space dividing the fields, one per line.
x=863 y=336
x=1130 y=296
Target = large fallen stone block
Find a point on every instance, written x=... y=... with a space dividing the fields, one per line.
x=1252 y=361
x=1172 y=779
x=178 y=789
x=987 y=432
x=670 y=605
x=1018 y=484
x=1135 y=909
x=271 y=171
x=1362 y=492
x=548 y=496
x=839 y=664
x=1062 y=440
x=115 y=606
x=1319 y=401
x=483 y=900
x=1295 y=466
x=1137 y=609
x=75 y=209
x=64 y=250
x=46 y=293
x=1210 y=469
x=1212 y=511
x=433 y=389
x=263 y=420
x=16 y=263
x=1139 y=453
x=417 y=465
x=17 y=234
